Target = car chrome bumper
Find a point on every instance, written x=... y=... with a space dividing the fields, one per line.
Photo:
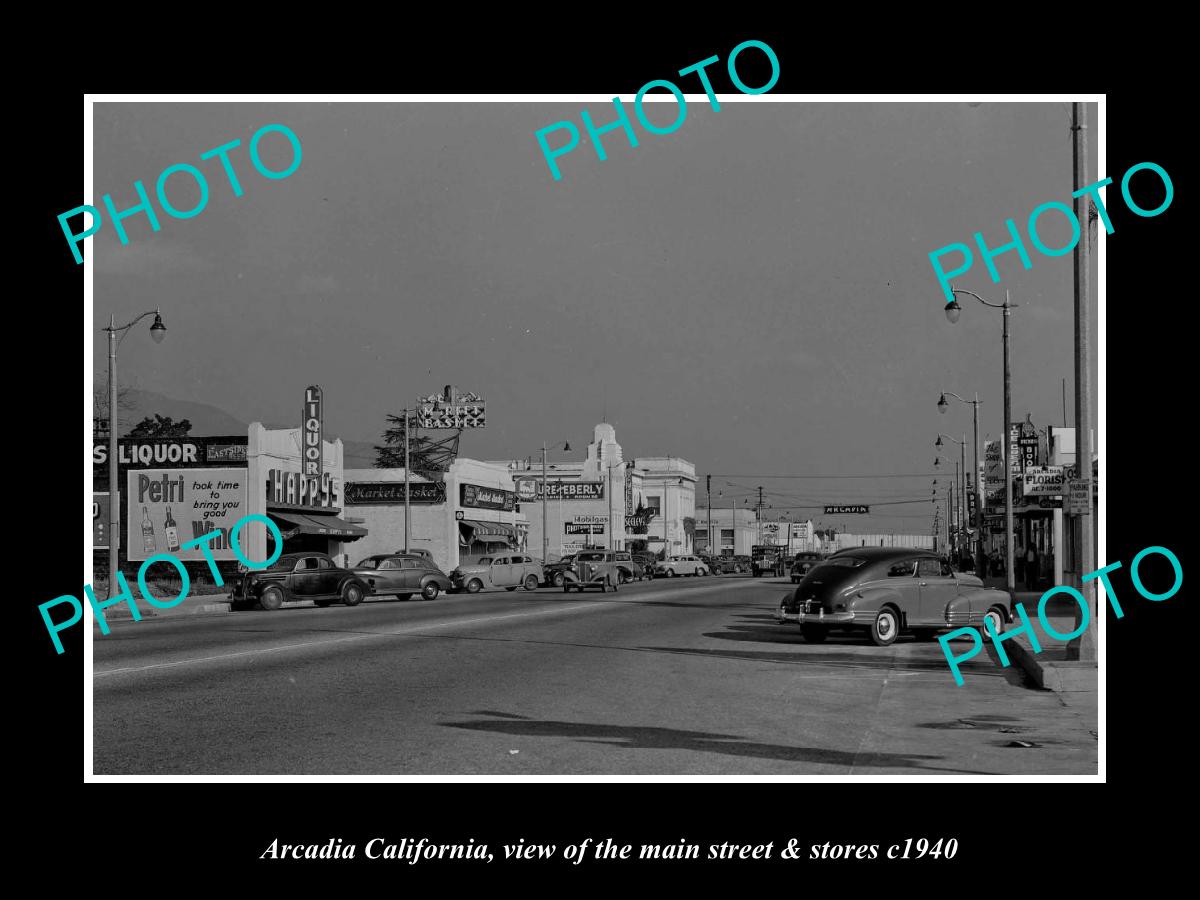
x=819 y=618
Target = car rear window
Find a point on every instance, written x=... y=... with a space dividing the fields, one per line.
x=845 y=562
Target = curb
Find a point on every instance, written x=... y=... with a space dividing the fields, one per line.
x=150 y=612
x=1059 y=675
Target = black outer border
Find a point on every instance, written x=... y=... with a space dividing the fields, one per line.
x=1001 y=828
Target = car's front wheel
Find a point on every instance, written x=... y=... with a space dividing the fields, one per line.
x=996 y=618
x=352 y=594
x=531 y=582
x=558 y=580
x=430 y=591
x=886 y=627
x=474 y=586
x=271 y=598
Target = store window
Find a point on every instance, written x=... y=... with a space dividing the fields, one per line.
x=655 y=504
x=726 y=535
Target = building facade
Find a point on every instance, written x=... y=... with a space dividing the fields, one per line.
x=594 y=502
x=471 y=512
x=735 y=531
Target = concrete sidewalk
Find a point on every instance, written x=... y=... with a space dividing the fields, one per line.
x=1049 y=667
x=193 y=604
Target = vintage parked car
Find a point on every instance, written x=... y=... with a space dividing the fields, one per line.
x=295 y=577
x=402 y=575
x=493 y=572
x=743 y=564
x=597 y=568
x=554 y=571
x=680 y=565
x=630 y=567
x=888 y=590
x=723 y=565
x=802 y=563
x=425 y=554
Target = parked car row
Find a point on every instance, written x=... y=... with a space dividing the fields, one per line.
x=296 y=577
x=887 y=591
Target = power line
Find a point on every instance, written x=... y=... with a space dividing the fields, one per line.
x=913 y=475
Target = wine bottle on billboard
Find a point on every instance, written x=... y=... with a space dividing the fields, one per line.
x=147 y=531
x=172 y=533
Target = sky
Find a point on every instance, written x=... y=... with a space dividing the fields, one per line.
x=752 y=292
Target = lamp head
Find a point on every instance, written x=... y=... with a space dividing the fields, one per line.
x=938 y=443
x=953 y=311
x=158 y=330
x=942 y=404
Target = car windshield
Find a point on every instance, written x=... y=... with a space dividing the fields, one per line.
x=590 y=557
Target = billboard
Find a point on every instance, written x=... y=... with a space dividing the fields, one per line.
x=579 y=528
x=359 y=493
x=477 y=496
x=838 y=510
x=169 y=507
x=1046 y=481
x=531 y=489
x=450 y=409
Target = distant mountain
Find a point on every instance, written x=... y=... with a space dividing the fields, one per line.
x=210 y=421
x=207 y=420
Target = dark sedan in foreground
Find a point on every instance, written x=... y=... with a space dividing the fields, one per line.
x=887 y=591
x=298 y=576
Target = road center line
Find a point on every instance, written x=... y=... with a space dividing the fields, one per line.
x=408 y=630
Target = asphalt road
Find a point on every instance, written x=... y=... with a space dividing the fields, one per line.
x=674 y=677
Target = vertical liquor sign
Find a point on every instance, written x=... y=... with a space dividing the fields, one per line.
x=312 y=433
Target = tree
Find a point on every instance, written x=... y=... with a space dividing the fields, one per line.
x=425 y=455
x=689 y=530
x=160 y=426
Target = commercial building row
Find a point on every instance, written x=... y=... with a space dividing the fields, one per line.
x=175 y=489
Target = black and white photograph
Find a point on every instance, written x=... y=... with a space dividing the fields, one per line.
x=708 y=433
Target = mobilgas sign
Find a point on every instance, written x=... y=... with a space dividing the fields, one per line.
x=312 y=433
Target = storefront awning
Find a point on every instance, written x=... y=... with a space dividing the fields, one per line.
x=487 y=532
x=294 y=523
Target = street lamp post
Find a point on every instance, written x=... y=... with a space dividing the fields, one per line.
x=942 y=405
x=157 y=332
x=961 y=478
x=953 y=310
x=545 y=502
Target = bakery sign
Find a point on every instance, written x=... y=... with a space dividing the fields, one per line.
x=1045 y=481
x=478 y=497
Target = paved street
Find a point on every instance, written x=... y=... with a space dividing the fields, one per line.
x=682 y=676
